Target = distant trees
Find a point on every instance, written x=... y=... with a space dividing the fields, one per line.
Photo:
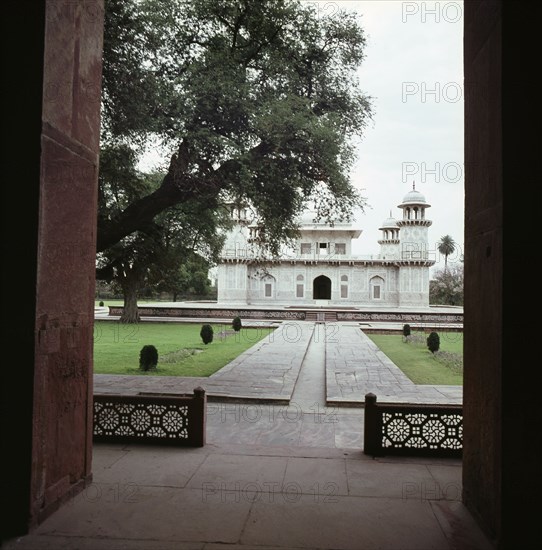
x=446 y=288
x=188 y=278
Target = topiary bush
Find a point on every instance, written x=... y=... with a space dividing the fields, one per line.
x=148 y=358
x=433 y=342
x=206 y=334
x=406 y=332
x=101 y=304
x=236 y=324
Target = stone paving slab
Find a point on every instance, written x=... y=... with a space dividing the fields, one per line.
x=248 y=497
x=355 y=366
x=267 y=372
x=273 y=425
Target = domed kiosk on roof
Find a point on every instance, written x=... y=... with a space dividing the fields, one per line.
x=320 y=269
x=389 y=223
x=413 y=206
x=414 y=197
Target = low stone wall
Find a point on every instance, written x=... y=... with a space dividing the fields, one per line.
x=400 y=317
x=297 y=315
x=213 y=313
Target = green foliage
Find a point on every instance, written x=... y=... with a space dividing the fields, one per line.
x=101 y=304
x=433 y=342
x=189 y=277
x=258 y=100
x=446 y=288
x=406 y=330
x=206 y=334
x=148 y=358
x=237 y=324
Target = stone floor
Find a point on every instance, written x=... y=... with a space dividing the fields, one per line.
x=267 y=495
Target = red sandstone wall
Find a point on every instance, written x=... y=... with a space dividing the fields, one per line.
x=483 y=317
x=62 y=439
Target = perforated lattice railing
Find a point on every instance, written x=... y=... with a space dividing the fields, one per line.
x=151 y=418
x=412 y=429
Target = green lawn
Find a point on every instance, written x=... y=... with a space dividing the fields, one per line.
x=417 y=362
x=180 y=349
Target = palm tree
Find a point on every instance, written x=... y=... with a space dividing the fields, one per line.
x=446 y=246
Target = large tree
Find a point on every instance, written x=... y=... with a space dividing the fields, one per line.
x=256 y=100
x=151 y=257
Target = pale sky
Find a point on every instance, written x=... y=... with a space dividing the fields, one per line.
x=414 y=49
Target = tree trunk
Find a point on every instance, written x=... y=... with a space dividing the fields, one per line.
x=174 y=296
x=130 y=313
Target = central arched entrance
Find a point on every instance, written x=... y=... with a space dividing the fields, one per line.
x=321 y=288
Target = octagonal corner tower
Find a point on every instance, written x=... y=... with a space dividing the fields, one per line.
x=414 y=250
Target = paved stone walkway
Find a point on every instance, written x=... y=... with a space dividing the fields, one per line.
x=304 y=387
x=268 y=372
x=355 y=366
x=306 y=421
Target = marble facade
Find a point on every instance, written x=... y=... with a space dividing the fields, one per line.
x=320 y=269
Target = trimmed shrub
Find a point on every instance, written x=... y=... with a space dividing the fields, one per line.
x=206 y=334
x=101 y=304
x=433 y=342
x=236 y=324
x=148 y=358
x=406 y=331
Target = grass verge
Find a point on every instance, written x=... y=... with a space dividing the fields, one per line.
x=180 y=349
x=418 y=363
